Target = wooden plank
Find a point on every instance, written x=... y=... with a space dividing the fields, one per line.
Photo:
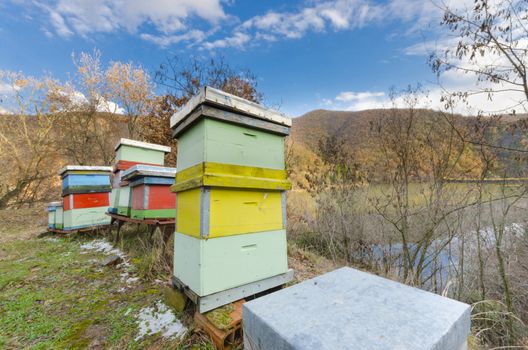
x=84 y=168
x=141 y=170
x=215 y=300
x=243 y=120
x=80 y=229
x=228 y=336
x=228 y=102
x=205 y=111
x=122 y=218
x=140 y=144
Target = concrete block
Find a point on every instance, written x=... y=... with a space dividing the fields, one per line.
x=350 y=309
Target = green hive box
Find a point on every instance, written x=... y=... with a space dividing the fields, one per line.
x=59 y=218
x=86 y=217
x=231 y=159
x=140 y=152
x=54 y=210
x=123 y=201
x=215 y=141
x=213 y=265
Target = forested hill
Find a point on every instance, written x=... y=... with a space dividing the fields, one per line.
x=358 y=131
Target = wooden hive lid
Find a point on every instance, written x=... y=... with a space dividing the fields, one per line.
x=225 y=101
x=148 y=170
x=87 y=168
x=141 y=144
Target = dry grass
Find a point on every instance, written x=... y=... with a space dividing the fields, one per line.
x=21 y=224
x=307 y=264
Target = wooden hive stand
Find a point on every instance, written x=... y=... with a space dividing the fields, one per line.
x=227 y=335
x=166 y=226
x=79 y=230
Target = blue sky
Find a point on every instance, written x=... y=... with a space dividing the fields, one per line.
x=334 y=54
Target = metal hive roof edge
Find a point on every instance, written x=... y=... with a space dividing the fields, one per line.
x=55 y=204
x=85 y=168
x=141 y=144
x=148 y=170
x=230 y=102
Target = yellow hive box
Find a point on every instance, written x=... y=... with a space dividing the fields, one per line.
x=209 y=212
x=229 y=175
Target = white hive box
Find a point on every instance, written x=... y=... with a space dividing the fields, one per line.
x=350 y=309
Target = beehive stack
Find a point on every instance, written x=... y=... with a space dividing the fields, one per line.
x=230 y=239
x=129 y=153
x=151 y=196
x=85 y=192
x=54 y=210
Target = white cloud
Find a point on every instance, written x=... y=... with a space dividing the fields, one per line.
x=346 y=96
x=193 y=36
x=58 y=23
x=357 y=100
x=340 y=15
x=452 y=81
x=110 y=107
x=77 y=100
x=238 y=40
x=336 y=15
x=85 y=17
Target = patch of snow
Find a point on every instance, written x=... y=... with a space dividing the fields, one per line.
x=128 y=311
x=159 y=319
x=106 y=248
x=52 y=239
x=103 y=246
x=132 y=280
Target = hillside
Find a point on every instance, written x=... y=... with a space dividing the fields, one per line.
x=356 y=130
x=354 y=127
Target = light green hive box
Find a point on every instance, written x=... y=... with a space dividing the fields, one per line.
x=140 y=152
x=86 y=217
x=113 y=198
x=54 y=210
x=51 y=219
x=216 y=141
x=217 y=264
x=123 y=201
x=59 y=214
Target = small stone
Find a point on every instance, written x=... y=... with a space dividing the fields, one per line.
x=175 y=299
x=111 y=260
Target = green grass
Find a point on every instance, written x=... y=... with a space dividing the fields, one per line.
x=54 y=296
